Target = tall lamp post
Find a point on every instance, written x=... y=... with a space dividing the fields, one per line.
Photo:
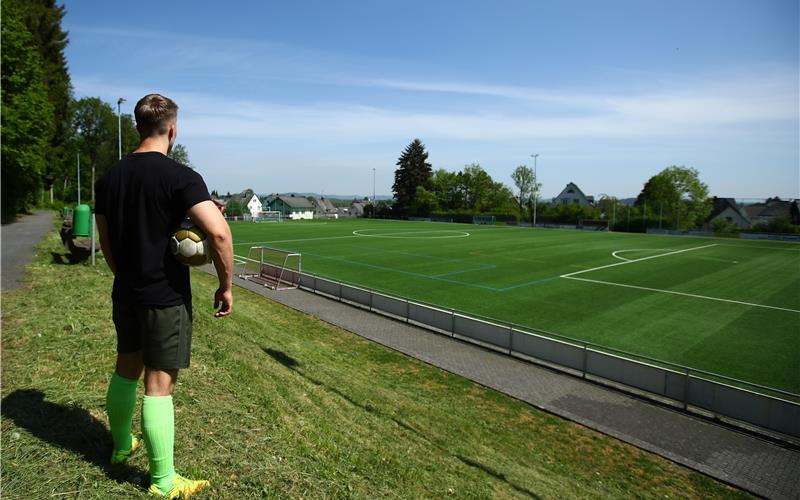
x=535 y=188
x=119 y=125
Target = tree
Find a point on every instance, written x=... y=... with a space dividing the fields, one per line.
x=477 y=187
x=681 y=193
x=524 y=179
x=413 y=171
x=42 y=18
x=27 y=117
x=448 y=189
x=180 y=154
x=95 y=124
x=424 y=202
x=234 y=208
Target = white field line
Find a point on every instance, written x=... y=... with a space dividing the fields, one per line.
x=637 y=260
x=299 y=239
x=400 y=235
x=614 y=254
x=658 y=290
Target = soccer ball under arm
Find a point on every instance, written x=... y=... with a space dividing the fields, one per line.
x=190 y=246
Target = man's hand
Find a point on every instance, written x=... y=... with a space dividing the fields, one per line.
x=220 y=204
x=223 y=299
x=208 y=217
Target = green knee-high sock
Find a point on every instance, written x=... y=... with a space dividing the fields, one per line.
x=120 y=404
x=158 y=429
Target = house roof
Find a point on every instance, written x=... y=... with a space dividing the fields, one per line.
x=773 y=207
x=294 y=201
x=323 y=203
x=722 y=204
x=245 y=196
x=573 y=186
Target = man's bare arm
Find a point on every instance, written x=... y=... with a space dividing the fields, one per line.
x=210 y=220
x=105 y=242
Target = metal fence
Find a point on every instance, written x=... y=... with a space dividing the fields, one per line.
x=694 y=390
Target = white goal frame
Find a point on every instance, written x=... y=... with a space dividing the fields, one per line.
x=488 y=220
x=272 y=267
x=268 y=216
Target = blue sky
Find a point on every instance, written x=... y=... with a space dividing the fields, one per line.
x=312 y=95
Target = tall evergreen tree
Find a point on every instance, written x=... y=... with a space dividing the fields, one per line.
x=43 y=20
x=27 y=117
x=413 y=171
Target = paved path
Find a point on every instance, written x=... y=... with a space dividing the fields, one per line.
x=751 y=463
x=18 y=240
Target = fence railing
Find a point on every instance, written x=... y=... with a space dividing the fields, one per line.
x=694 y=390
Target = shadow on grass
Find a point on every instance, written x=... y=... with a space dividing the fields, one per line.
x=71 y=428
x=67 y=259
x=292 y=364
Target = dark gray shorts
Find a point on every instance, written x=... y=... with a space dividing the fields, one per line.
x=163 y=334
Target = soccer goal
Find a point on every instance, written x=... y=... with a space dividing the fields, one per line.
x=593 y=224
x=273 y=268
x=483 y=219
x=268 y=216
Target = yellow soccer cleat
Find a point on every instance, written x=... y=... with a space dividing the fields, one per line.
x=119 y=457
x=181 y=487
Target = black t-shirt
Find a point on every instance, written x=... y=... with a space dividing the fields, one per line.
x=144 y=197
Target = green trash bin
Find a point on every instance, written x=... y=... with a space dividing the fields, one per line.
x=82 y=221
x=64 y=212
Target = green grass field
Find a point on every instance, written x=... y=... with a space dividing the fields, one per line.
x=730 y=307
x=277 y=404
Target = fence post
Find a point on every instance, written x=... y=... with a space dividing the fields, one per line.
x=340 y=291
x=408 y=310
x=686 y=391
x=453 y=323
x=585 y=359
x=510 y=340
x=315 y=284
x=371 y=295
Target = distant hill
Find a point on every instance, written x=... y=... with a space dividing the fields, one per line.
x=348 y=197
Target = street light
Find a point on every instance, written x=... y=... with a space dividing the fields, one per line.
x=535 y=188
x=119 y=124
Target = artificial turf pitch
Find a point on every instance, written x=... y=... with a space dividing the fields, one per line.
x=725 y=306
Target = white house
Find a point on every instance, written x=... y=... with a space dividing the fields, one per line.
x=572 y=194
x=250 y=201
x=254 y=206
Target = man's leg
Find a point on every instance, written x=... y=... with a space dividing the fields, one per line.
x=121 y=394
x=121 y=403
x=158 y=425
x=167 y=345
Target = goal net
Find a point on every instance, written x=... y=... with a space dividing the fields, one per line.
x=268 y=216
x=271 y=267
x=593 y=224
x=483 y=219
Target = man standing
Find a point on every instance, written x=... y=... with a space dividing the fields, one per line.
x=140 y=202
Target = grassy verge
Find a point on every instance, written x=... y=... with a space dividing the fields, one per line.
x=280 y=405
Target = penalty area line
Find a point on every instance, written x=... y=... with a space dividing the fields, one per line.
x=636 y=260
x=671 y=292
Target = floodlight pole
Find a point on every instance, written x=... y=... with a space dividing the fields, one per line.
x=373 y=188
x=535 y=187
x=119 y=125
x=78 y=156
x=614 y=213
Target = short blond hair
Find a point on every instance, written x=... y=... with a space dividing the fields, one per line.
x=154 y=112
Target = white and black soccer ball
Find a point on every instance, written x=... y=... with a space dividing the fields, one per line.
x=190 y=246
